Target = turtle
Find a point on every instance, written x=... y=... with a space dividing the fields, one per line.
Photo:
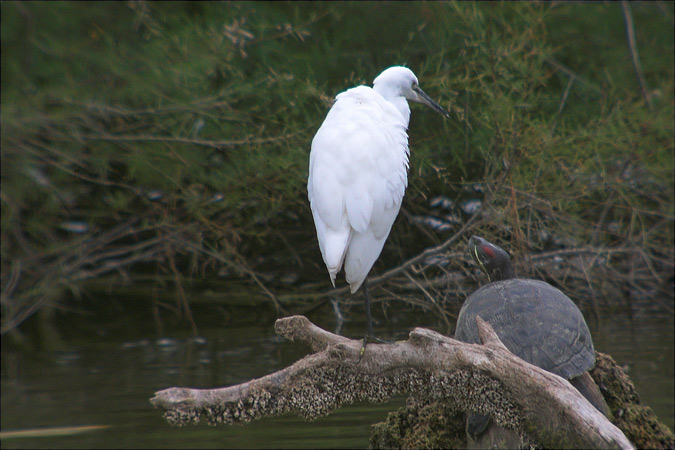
x=534 y=320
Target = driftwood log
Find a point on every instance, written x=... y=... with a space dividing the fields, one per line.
x=543 y=408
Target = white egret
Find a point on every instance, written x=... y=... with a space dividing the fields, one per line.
x=358 y=172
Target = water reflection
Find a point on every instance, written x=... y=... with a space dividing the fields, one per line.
x=108 y=381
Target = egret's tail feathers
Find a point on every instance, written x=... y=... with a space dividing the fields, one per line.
x=355 y=286
x=364 y=249
x=333 y=249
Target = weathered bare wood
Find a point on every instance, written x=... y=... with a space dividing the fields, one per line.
x=542 y=407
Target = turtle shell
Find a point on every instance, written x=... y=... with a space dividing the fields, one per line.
x=535 y=321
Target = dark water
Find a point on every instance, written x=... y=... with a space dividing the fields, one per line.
x=107 y=378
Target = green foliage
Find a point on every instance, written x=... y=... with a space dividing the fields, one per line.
x=202 y=113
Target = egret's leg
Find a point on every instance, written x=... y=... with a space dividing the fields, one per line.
x=369 y=318
x=371 y=334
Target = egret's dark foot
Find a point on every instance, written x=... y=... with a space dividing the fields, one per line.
x=374 y=340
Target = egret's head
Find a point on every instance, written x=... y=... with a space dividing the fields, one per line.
x=399 y=81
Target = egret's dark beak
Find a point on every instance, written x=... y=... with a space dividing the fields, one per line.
x=426 y=100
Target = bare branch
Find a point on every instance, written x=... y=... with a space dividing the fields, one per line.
x=488 y=379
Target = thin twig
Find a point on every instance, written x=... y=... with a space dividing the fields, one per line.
x=425 y=254
x=579 y=251
x=563 y=68
x=467 y=126
x=634 y=57
x=280 y=309
x=431 y=298
x=11 y=282
x=603 y=216
x=665 y=11
x=182 y=297
x=185 y=140
x=429 y=252
x=562 y=104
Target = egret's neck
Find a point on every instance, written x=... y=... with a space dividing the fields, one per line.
x=394 y=97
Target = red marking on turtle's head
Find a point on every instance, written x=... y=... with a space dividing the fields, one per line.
x=488 y=251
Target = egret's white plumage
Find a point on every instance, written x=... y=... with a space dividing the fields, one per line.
x=358 y=171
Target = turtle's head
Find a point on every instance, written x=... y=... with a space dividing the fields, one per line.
x=493 y=260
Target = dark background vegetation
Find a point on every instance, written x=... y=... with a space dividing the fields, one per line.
x=159 y=149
